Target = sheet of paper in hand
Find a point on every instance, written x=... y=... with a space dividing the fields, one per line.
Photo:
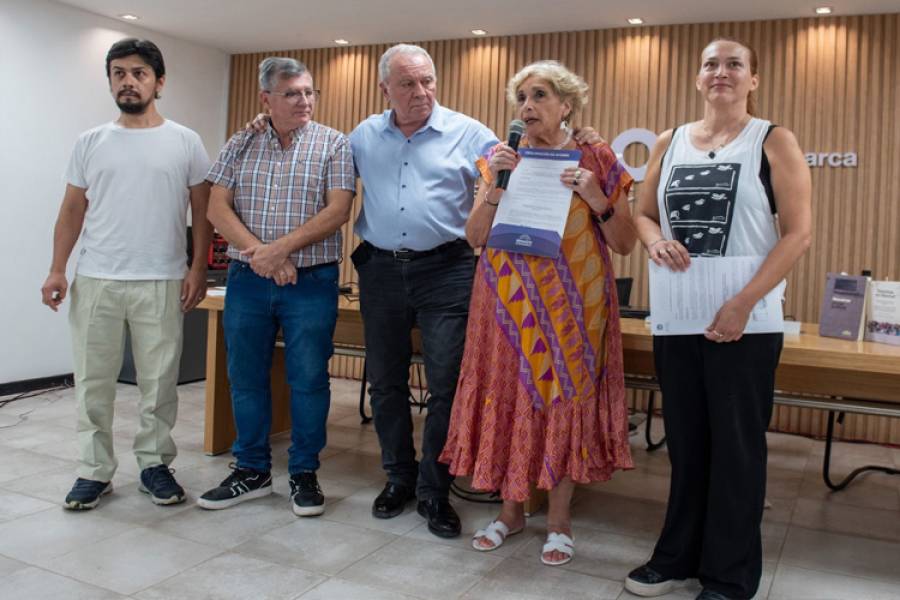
x=685 y=303
x=532 y=214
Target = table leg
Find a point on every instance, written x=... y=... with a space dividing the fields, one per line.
x=219 y=423
x=651 y=445
x=364 y=419
x=826 y=461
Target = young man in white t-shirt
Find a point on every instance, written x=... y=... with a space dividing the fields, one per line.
x=129 y=185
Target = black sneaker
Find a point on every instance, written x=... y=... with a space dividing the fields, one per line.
x=240 y=486
x=644 y=581
x=306 y=495
x=708 y=594
x=160 y=485
x=86 y=493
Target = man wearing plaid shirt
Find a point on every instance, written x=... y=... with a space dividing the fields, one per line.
x=280 y=197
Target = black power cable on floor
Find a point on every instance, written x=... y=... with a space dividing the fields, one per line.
x=23 y=416
x=473 y=496
x=33 y=393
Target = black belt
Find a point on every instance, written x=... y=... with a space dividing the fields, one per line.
x=405 y=254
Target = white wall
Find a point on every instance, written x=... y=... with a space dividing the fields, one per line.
x=52 y=87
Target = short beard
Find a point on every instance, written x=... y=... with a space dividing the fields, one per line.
x=133 y=108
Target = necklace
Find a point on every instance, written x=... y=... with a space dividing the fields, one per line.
x=712 y=153
x=728 y=138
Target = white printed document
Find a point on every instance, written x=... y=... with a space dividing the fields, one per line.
x=883 y=320
x=532 y=215
x=685 y=303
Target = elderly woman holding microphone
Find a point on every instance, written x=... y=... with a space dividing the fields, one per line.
x=541 y=397
x=718 y=387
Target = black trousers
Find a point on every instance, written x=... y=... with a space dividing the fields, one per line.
x=432 y=292
x=717 y=403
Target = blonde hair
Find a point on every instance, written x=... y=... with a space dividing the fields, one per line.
x=567 y=85
x=754 y=66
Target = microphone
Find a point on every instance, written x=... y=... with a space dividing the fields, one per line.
x=516 y=129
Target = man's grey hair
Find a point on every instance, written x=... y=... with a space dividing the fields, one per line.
x=273 y=68
x=384 y=64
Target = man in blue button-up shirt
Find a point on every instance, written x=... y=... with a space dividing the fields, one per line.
x=417 y=164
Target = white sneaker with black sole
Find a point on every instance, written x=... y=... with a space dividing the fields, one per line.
x=240 y=486
x=307 y=499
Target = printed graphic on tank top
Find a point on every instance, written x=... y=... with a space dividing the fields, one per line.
x=699 y=202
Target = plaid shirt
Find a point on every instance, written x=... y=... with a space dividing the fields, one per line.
x=276 y=191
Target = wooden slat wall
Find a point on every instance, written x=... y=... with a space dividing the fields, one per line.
x=834 y=81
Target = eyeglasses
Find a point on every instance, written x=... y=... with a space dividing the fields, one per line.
x=295 y=95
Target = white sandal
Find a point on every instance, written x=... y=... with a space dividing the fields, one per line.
x=562 y=544
x=496 y=532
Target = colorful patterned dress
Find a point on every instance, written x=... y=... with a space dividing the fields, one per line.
x=541 y=391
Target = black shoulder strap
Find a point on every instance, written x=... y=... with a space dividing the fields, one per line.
x=663 y=157
x=765 y=173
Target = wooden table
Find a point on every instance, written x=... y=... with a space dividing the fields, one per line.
x=828 y=374
x=809 y=364
x=814 y=372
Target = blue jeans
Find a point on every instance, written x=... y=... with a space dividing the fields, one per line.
x=306 y=312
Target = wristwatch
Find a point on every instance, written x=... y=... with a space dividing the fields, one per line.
x=605 y=215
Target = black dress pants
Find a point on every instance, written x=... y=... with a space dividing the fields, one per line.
x=396 y=293
x=717 y=403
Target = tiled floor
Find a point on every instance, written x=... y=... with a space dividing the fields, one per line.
x=817 y=545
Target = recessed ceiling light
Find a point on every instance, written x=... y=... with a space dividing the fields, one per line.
x=824 y=10
x=129 y=17
x=341 y=42
x=479 y=32
x=635 y=21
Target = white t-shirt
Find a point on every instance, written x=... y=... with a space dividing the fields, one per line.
x=136 y=183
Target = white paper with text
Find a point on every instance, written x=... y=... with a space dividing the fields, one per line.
x=685 y=303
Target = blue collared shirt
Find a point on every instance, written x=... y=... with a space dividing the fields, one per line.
x=417 y=191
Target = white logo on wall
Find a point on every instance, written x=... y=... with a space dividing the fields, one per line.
x=647 y=138
x=831 y=159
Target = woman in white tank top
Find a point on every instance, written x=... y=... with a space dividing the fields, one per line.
x=712 y=189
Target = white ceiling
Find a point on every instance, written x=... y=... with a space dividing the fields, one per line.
x=237 y=26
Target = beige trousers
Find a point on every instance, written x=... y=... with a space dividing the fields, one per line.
x=100 y=310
